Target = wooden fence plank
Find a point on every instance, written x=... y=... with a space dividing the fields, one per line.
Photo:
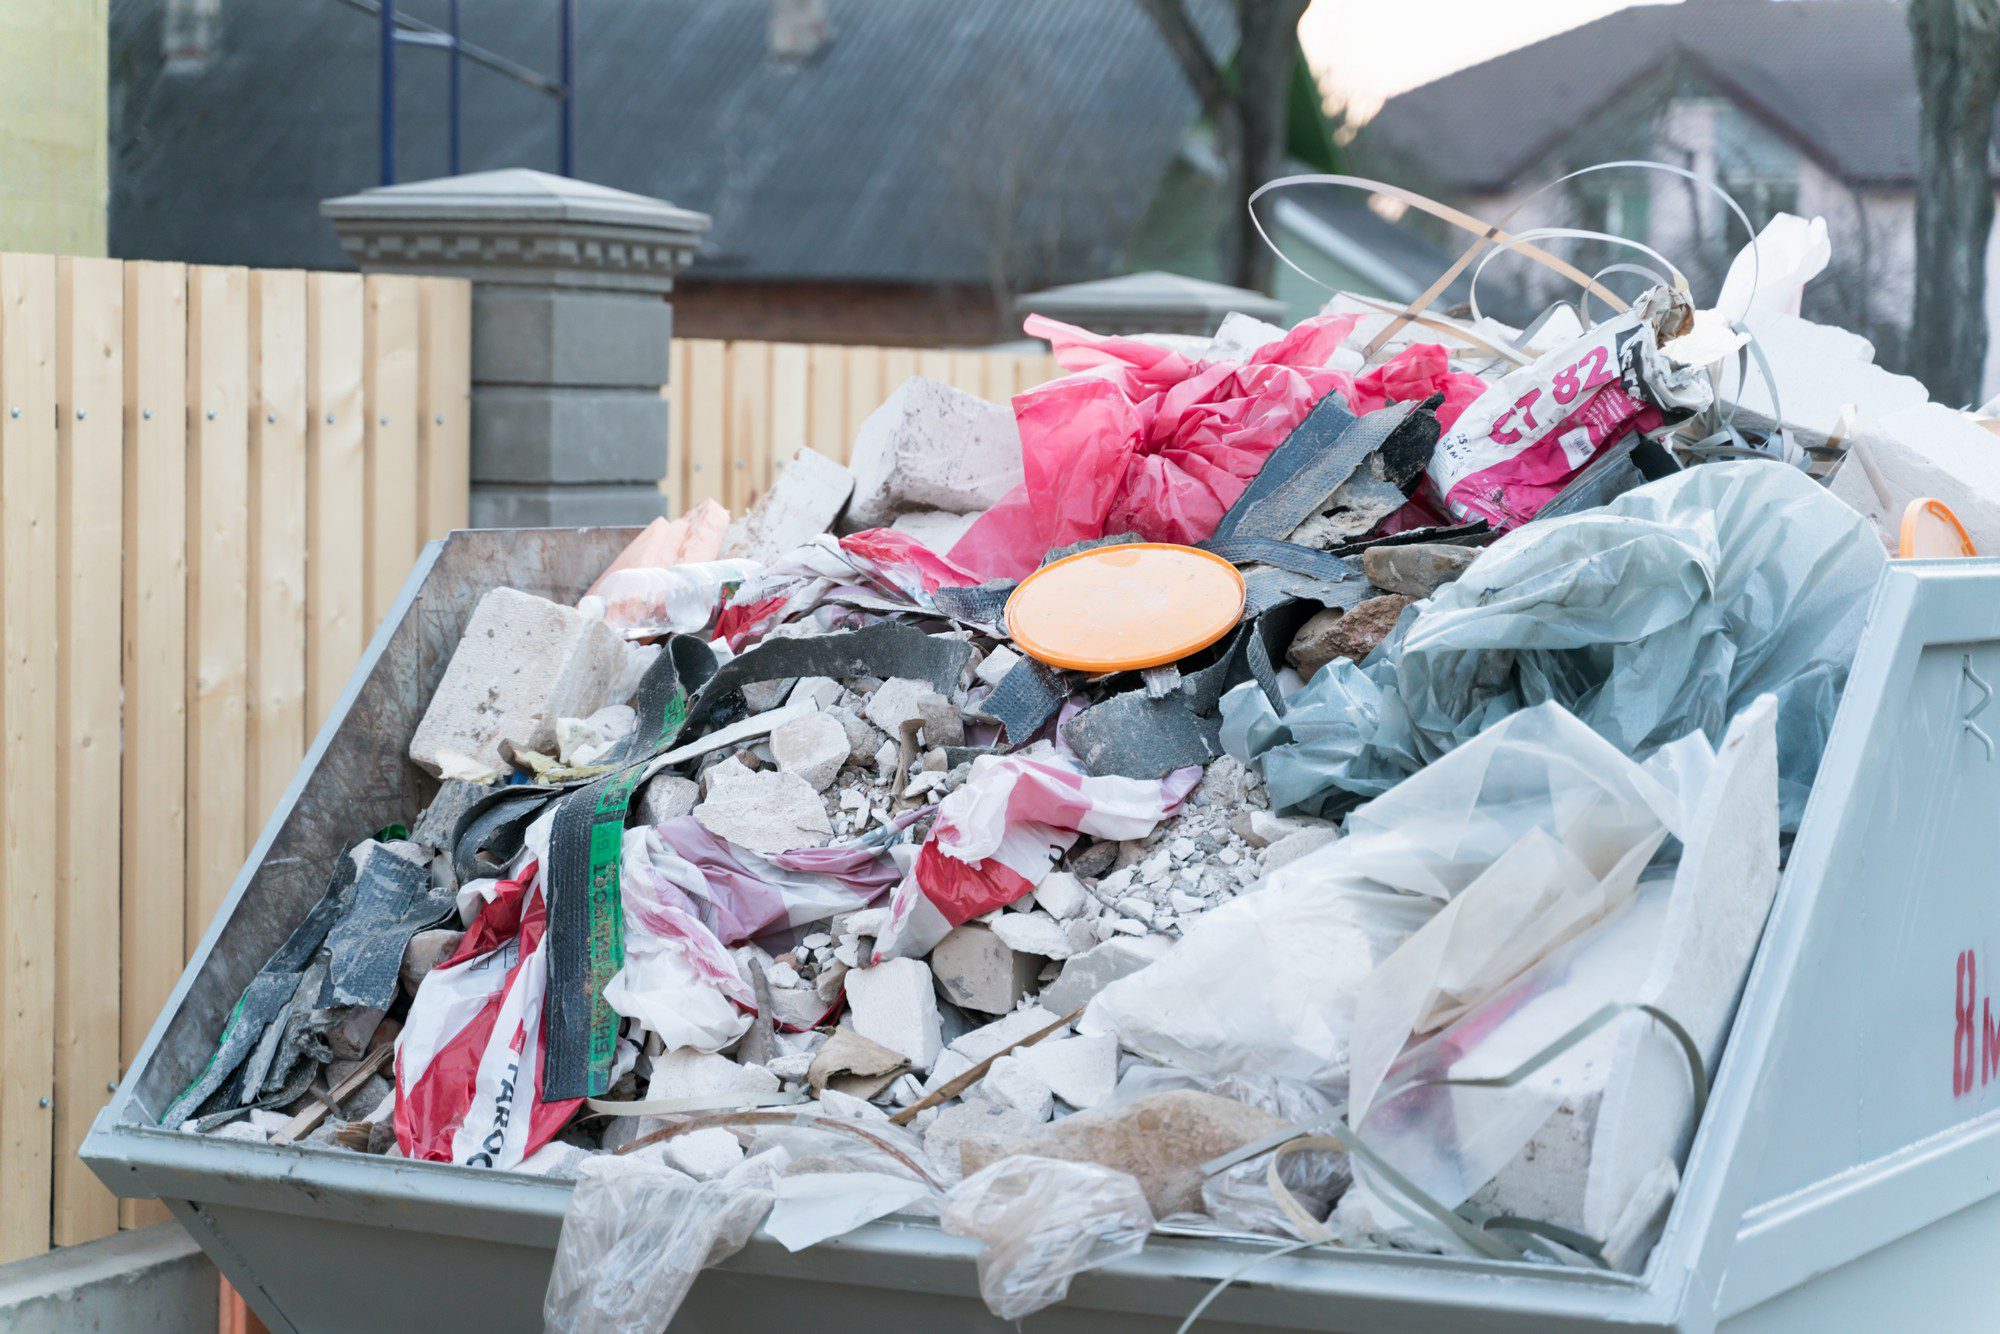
x=336 y=507
x=826 y=400
x=864 y=392
x=28 y=706
x=968 y=371
x=389 y=377
x=749 y=433
x=707 y=387
x=996 y=372
x=444 y=409
x=152 y=874
x=674 y=481
x=218 y=592
x=898 y=365
x=90 y=515
x=790 y=391
x=277 y=624
x=934 y=364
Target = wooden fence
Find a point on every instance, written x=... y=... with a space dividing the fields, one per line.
x=740 y=409
x=212 y=483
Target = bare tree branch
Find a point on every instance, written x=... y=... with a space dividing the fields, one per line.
x=1197 y=65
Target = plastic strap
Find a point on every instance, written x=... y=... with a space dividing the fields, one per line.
x=714 y=1102
x=1485 y=231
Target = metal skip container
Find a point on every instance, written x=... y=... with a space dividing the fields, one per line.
x=1845 y=1176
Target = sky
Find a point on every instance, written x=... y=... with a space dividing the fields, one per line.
x=1367 y=51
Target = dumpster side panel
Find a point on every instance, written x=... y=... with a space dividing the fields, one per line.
x=1851 y=1110
x=1941 y=1277
x=1886 y=1033
x=355 y=780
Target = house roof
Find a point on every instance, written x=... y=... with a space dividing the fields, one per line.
x=925 y=138
x=1833 y=76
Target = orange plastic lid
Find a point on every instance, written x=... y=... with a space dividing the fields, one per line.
x=1931 y=530
x=1115 y=609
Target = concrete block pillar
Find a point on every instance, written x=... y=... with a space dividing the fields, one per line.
x=570 y=328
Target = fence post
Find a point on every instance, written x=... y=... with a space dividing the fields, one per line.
x=570 y=331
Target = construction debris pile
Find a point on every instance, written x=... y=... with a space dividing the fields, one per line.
x=1379 y=865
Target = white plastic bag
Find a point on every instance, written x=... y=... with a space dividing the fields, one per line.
x=1043 y=1222
x=636 y=1235
x=1602 y=1116
x=1270 y=982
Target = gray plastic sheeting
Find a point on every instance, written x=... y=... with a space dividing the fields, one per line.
x=1662 y=613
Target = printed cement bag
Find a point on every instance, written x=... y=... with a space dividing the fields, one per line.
x=1519 y=444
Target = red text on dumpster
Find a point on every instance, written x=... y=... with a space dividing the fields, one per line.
x=1975 y=1037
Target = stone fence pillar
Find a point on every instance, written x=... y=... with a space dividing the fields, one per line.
x=570 y=329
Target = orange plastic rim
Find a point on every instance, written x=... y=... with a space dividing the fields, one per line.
x=1931 y=530
x=1117 y=609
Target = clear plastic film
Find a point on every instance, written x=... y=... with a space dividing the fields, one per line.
x=1043 y=1221
x=1240 y=1196
x=636 y=1235
x=1273 y=982
x=1662 y=613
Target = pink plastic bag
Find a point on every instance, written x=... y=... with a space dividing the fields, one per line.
x=1143 y=439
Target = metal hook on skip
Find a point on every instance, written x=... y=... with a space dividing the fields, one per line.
x=1985 y=698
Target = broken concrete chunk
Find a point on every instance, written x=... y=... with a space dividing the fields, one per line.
x=1260 y=829
x=821 y=692
x=1294 y=846
x=944 y=1136
x=899 y=700
x=1162 y=1139
x=1095 y=969
x=995 y=665
x=688 y=1073
x=932 y=447
x=1924 y=451
x=977 y=970
x=863 y=740
x=800 y=505
x=1004 y=1032
x=855 y=1065
x=1352 y=634
x=893 y=1004
x=522 y=663
x=1061 y=895
x=426 y=950
x=1032 y=934
x=703 y=1154
x=666 y=797
x=937 y=529
x=1081 y=1071
x=813 y=747
x=1819 y=369
x=1010 y=1082
x=767 y=811
x=1417 y=570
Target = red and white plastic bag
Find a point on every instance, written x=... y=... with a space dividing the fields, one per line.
x=469 y=1058
x=996 y=837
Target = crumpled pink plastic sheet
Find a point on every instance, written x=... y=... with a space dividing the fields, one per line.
x=996 y=837
x=878 y=565
x=739 y=895
x=1143 y=439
